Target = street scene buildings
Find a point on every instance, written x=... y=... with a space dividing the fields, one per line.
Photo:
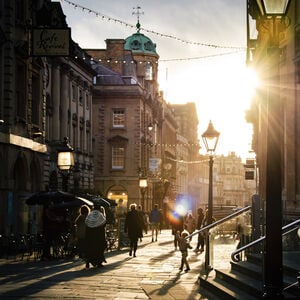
x=124 y=141
x=108 y=104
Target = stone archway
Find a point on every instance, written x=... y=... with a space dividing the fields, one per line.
x=34 y=212
x=17 y=209
x=120 y=195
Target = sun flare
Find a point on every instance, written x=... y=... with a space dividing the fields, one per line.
x=222 y=90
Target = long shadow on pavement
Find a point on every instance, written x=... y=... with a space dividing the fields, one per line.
x=44 y=275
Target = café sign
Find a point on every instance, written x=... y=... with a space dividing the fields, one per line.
x=51 y=42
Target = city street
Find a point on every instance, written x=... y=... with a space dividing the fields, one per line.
x=153 y=274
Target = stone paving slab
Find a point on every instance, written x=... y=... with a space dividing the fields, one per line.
x=153 y=274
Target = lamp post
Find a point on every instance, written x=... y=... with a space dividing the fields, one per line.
x=210 y=138
x=143 y=184
x=273 y=10
x=65 y=162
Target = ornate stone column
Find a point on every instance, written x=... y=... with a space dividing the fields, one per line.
x=64 y=100
x=55 y=91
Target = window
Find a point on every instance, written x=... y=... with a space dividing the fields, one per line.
x=118 y=158
x=87 y=101
x=36 y=95
x=73 y=92
x=20 y=11
x=81 y=139
x=135 y=45
x=88 y=142
x=80 y=97
x=21 y=91
x=119 y=118
x=149 y=72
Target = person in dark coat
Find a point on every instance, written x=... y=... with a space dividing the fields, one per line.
x=95 y=238
x=155 y=220
x=81 y=228
x=200 y=243
x=53 y=226
x=134 y=228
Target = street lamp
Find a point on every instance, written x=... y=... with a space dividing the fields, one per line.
x=143 y=184
x=210 y=138
x=65 y=161
x=274 y=10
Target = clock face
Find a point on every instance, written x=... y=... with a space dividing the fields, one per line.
x=47 y=75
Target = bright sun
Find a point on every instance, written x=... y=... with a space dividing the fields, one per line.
x=222 y=89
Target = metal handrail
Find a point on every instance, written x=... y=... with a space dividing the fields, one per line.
x=220 y=221
x=237 y=251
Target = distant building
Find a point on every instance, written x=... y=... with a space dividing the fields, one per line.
x=187 y=154
x=130 y=122
x=229 y=183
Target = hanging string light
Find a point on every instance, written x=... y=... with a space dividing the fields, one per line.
x=188 y=161
x=105 y=17
x=124 y=61
x=185 y=145
x=202 y=57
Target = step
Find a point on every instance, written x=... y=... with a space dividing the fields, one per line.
x=234 y=285
x=247 y=268
x=250 y=285
x=291 y=268
x=290 y=261
x=254 y=258
x=223 y=289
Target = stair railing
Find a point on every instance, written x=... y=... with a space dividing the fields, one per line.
x=235 y=254
x=212 y=225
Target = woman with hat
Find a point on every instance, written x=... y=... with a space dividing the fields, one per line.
x=95 y=236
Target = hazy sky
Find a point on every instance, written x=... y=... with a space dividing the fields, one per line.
x=188 y=72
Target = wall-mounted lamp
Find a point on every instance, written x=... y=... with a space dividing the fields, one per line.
x=150 y=127
x=65 y=161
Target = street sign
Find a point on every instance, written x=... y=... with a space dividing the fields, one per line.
x=51 y=42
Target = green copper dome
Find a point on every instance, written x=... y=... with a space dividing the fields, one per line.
x=140 y=43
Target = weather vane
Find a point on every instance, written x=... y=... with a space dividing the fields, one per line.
x=138 y=13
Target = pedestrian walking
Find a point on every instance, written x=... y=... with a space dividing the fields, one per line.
x=147 y=221
x=190 y=224
x=143 y=219
x=53 y=226
x=80 y=227
x=155 y=220
x=176 y=221
x=183 y=247
x=200 y=243
x=134 y=228
x=95 y=241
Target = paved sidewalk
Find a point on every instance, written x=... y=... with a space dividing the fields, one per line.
x=153 y=274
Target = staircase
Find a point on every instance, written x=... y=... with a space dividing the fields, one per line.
x=244 y=280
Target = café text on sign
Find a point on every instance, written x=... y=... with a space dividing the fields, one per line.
x=51 y=42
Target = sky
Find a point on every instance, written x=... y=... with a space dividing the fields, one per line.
x=201 y=44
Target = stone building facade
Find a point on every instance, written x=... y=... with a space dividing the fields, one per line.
x=189 y=164
x=42 y=100
x=128 y=120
